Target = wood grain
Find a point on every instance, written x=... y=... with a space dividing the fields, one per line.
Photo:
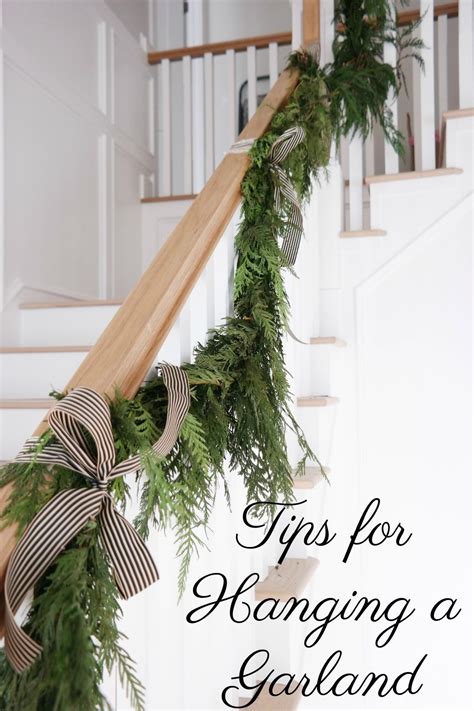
x=311 y=33
x=450 y=9
x=66 y=304
x=23 y=404
x=238 y=45
x=168 y=198
x=312 y=477
x=127 y=348
x=316 y=401
x=348 y=234
x=327 y=341
x=287 y=580
x=21 y=350
x=311 y=22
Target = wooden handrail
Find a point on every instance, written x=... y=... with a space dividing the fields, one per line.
x=127 y=348
x=311 y=22
x=310 y=29
x=238 y=45
x=450 y=9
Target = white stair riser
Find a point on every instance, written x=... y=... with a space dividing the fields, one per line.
x=15 y=427
x=318 y=424
x=34 y=375
x=65 y=326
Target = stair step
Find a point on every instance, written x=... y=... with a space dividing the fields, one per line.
x=312 y=477
x=316 y=401
x=33 y=371
x=458 y=113
x=44 y=349
x=70 y=303
x=169 y=198
x=25 y=404
x=362 y=233
x=328 y=341
x=65 y=322
x=287 y=580
x=265 y=702
x=412 y=175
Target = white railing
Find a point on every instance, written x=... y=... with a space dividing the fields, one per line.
x=445 y=83
x=205 y=96
x=206 y=93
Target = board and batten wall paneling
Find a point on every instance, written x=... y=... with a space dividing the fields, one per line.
x=78 y=92
x=127 y=243
x=51 y=190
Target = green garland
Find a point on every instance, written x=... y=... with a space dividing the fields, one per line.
x=240 y=409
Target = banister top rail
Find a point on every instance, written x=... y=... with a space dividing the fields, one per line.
x=127 y=348
x=238 y=45
x=280 y=38
x=450 y=9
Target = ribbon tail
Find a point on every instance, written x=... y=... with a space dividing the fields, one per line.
x=133 y=566
x=51 y=454
x=292 y=238
x=179 y=400
x=46 y=536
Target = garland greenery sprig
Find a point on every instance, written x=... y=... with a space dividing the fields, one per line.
x=240 y=410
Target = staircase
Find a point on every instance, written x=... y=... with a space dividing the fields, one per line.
x=339 y=271
x=54 y=338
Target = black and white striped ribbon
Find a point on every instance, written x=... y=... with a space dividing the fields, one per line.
x=83 y=410
x=283 y=189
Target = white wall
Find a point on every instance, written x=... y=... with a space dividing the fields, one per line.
x=78 y=146
x=232 y=19
x=134 y=14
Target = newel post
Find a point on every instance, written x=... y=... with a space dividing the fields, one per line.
x=306 y=23
x=311 y=22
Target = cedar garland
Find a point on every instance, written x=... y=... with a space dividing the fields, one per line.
x=240 y=392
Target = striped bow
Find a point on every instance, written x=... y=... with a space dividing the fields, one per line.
x=84 y=411
x=280 y=150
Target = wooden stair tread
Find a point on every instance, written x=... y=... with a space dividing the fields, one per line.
x=312 y=477
x=287 y=580
x=316 y=401
x=412 y=175
x=168 y=198
x=70 y=303
x=458 y=113
x=45 y=349
x=265 y=702
x=25 y=404
x=327 y=341
x=347 y=234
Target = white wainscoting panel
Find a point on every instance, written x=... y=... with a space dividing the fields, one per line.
x=78 y=109
x=51 y=189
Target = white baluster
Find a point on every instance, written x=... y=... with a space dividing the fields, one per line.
x=296 y=23
x=355 y=184
x=369 y=156
x=197 y=71
x=327 y=30
x=273 y=62
x=251 y=81
x=151 y=115
x=187 y=128
x=209 y=101
x=466 y=75
x=165 y=93
x=442 y=62
x=230 y=58
x=344 y=162
x=391 y=156
x=424 y=101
